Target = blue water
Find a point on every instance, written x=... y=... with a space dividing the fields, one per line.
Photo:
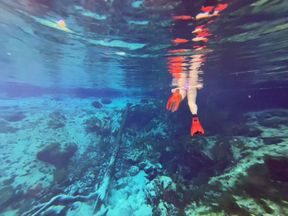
x=84 y=125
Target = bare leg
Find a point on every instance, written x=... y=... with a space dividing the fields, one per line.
x=193 y=85
x=191 y=96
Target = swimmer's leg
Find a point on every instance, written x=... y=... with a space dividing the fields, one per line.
x=196 y=127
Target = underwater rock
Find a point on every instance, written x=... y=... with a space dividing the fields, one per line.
x=222 y=155
x=251 y=193
x=128 y=198
x=93 y=125
x=144 y=101
x=80 y=208
x=6 y=128
x=160 y=184
x=166 y=209
x=14 y=117
x=36 y=191
x=243 y=130
x=254 y=132
x=140 y=116
x=133 y=156
x=106 y=101
x=6 y=194
x=273 y=122
x=55 y=210
x=57 y=115
x=56 y=156
x=57 y=120
x=162 y=209
x=97 y=104
x=151 y=169
x=167 y=183
x=162 y=188
x=278 y=169
x=257 y=182
x=60 y=175
x=188 y=164
x=8 y=181
x=272 y=140
x=196 y=208
x=133 y=170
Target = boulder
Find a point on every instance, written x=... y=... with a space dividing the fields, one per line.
x=55 y=155
x=97 y=104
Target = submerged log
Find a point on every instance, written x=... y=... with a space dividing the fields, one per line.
x=103 y=188
x=101 y=191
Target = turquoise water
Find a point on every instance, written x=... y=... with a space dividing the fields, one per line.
x=84 y=125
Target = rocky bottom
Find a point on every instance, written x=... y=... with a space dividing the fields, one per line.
x=109 y=157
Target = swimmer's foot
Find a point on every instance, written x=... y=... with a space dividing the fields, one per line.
x=196 y=128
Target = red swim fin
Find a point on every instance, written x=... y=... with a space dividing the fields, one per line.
x=196 y=128
x=207 y=9
x=180 y=41
x=183 y=17
x=221 y=7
